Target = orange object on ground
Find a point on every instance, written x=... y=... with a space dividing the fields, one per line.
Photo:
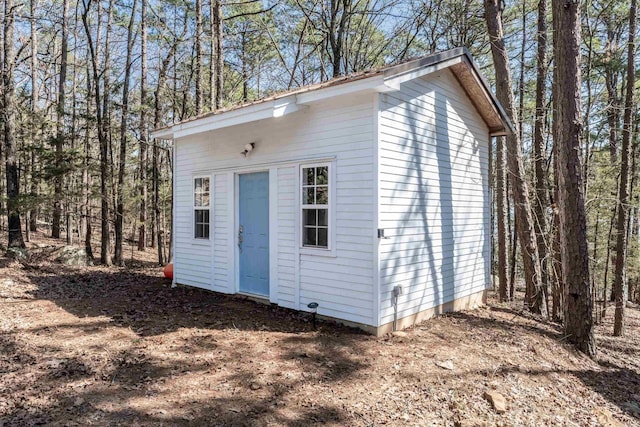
x=168 y=271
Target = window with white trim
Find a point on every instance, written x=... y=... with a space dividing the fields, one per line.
x=201 y=200
x=316 y=186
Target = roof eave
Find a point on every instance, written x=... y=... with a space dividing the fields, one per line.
x=509 y=128
x=388 y=80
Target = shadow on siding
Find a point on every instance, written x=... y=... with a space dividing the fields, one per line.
x=434 y=207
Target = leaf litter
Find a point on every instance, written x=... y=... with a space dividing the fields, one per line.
x=108 y=346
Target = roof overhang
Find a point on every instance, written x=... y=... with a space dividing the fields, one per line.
x=457 y=60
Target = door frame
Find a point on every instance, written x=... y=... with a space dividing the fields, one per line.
x=273 y=229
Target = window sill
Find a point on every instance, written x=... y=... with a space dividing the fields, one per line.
x=201 y=242
x=327 y=253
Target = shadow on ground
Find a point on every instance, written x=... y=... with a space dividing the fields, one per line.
x=81 y=386
x=149 y=306
x=615 y=378
x=111 y=347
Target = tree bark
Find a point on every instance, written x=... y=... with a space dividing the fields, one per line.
x=15 y=239
x=60 y=112
x=86 y=177
x=156 y=201
x=623 y=192
x=611 y=83
x=336 y=26
x=556 y=258
x=162 y=74
x=119 y=258
x=35 y=93
x=198 y=64
x=525 y=230
x=540 y=201
x=142 y=230
x=578 y=321
x=219 y=56
x=501 y=206
x=102 y=127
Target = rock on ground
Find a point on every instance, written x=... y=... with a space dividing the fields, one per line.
x=72 y=255
x=497 y=400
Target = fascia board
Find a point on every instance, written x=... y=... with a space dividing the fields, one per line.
x=166 y=133
x=395 y=80
x=286 y=105
x=350 y=88
x=231 y=118
x=265 y=110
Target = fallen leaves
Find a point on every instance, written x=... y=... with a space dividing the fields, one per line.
x=94 y=345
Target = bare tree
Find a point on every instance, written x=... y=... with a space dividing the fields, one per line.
x=578 y=322
x=102 y=128
x=86 y=177
x=540 y=201
x=60 y=112
x=198 y=64
x=142 y=159
x=35 y=93
x=623 y=192
x=8 y=119
x=524 y=218
x=216 y=20
x=162 y=76
x=119 y=259
x=501 y=206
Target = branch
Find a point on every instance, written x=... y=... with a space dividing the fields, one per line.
x=240 y=15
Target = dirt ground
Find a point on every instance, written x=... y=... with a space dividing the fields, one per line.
x=112 y=346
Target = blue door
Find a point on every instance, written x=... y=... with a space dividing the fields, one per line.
x=253 y=233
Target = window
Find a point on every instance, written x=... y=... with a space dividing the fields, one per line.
x=201 y=197
x=315 y=206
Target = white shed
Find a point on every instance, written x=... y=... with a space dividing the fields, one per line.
x=344 y=193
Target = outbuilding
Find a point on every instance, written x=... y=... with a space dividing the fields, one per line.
x=368 y=194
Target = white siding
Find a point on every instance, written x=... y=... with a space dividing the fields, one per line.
x=192 y=258
x=222 y=270
x=287 y=214
x=433 y=195
x=343 y=129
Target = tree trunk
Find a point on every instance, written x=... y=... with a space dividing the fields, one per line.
x=611 y=83
x=72 y=205
x=119 y=257
x=162 y=74
x=156 y=200
x=219 y=56
x=578 y=321
x=86 y=177
x=60 y=112
x=243 y=66
x=525 y=230
x=106 y=158
x=142 y=230
x=623 y=192
x=605 y=297
x=198 y=65
x=556 y=257
x=171 y=213
x=336 y=28
x=501 y=206
x=540 y=201
x=102 y=127
x=598 y=312
x=35 y=93
x=8 y=117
